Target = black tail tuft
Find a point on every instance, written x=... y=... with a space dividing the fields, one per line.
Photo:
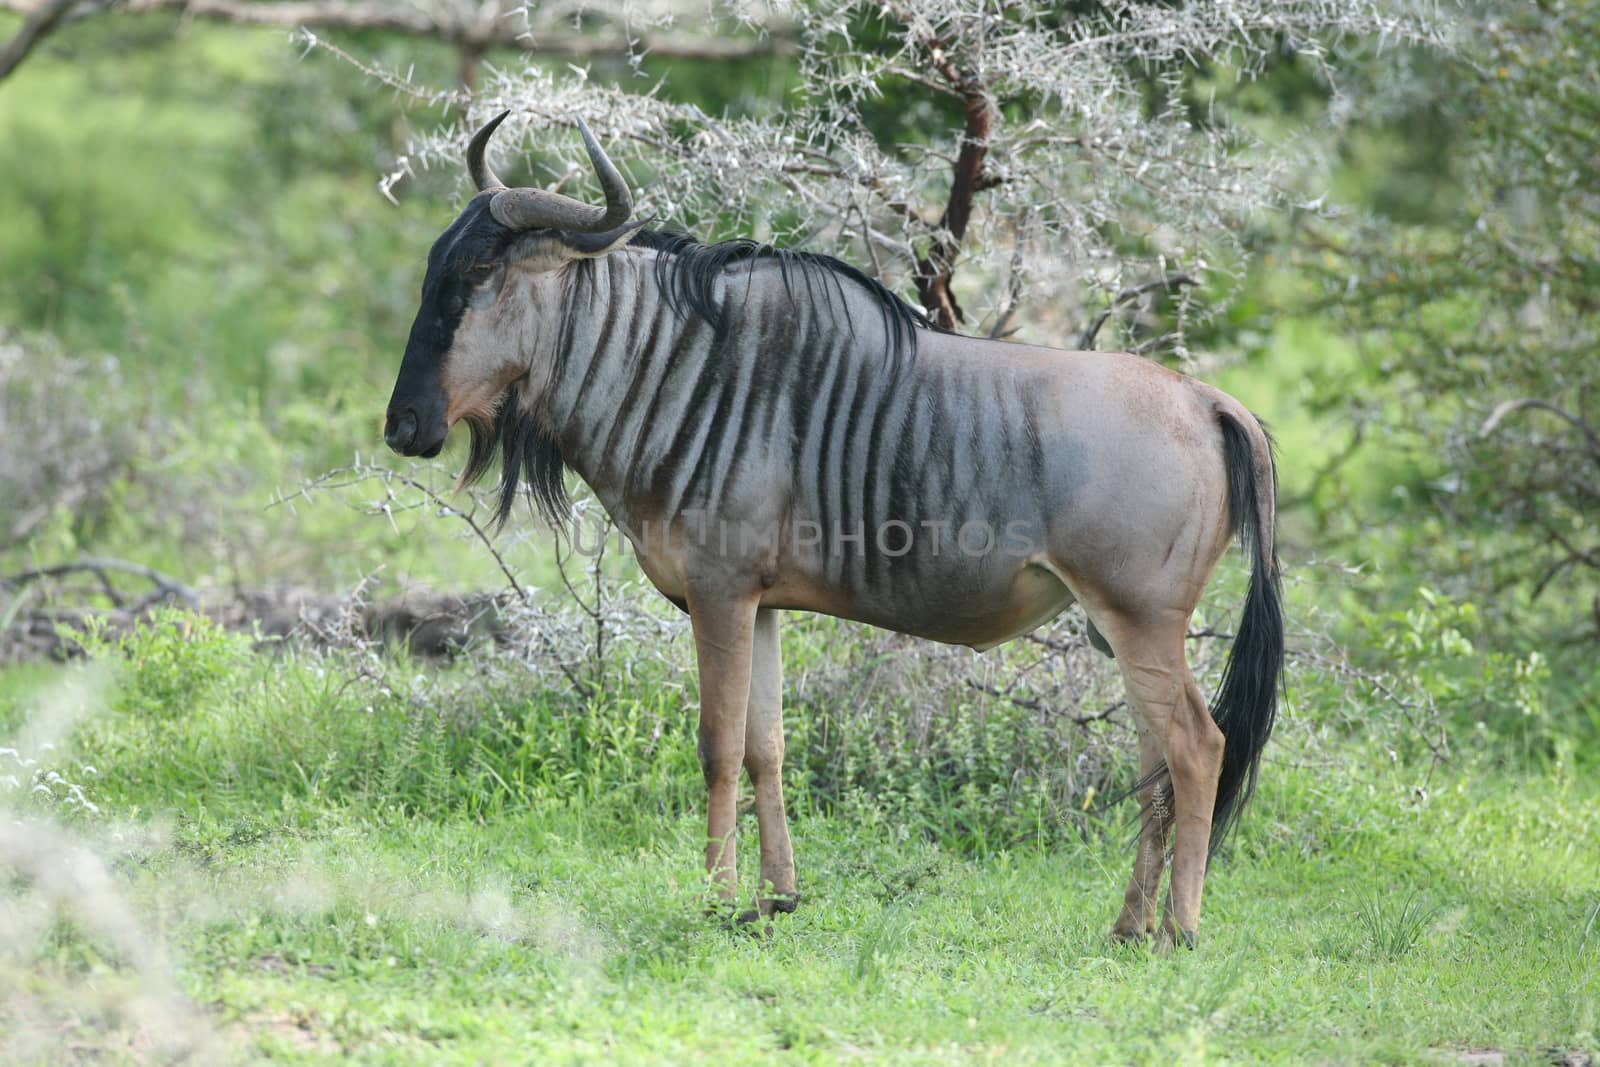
x=1246 y=703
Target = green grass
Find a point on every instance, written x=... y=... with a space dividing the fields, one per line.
x=525 y=887
x=542 y=938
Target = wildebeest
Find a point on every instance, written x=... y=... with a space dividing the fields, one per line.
x=778 y=430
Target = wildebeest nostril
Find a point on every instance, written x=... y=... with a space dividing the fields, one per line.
x=401 y=432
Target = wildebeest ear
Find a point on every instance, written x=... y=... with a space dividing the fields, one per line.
x=540 y=251
x=594 y=245
x=548 y=249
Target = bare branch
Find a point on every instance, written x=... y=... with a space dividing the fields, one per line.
x=473 y=29
x=42 y=19
x=1510 y=407
x=1038 y=706
x=356 y=473
x=1015 y=278
x=1126 y=296
x=167 y=587
x=934 y=270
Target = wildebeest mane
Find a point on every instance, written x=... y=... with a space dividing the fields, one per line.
x=687 y=272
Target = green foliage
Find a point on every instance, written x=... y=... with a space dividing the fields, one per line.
x=175 y=660
x=1439 y=645
x=354 y=728
x=987 y=776
x=1478 y=321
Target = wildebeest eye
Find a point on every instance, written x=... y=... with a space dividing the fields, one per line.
x=480 y=271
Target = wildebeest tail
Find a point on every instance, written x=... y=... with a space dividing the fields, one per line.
x=1246 y=702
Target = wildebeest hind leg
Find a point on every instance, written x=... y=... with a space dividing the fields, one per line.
x=1169 y=709
x=1194 y=754
x=1138 y=917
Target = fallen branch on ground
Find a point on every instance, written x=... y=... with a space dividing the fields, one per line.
x=167 y=587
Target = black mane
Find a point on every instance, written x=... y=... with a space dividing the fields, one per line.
x=687 y=272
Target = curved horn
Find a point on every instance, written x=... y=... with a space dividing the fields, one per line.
x=477 y=165
x=528 y=209
x=619 y=201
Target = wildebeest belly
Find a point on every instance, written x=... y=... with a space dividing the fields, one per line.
x=980 y=607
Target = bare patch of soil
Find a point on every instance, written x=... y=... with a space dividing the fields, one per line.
x=40 y=609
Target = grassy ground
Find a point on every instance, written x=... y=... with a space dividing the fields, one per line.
x=292 y=903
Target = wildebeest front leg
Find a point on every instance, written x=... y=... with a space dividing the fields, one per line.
x=763 y=758
x=723 y=631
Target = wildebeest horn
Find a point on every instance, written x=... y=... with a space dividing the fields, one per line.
x=477 y=165
x=527 y=209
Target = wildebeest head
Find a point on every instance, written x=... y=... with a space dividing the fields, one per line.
x=462 y=355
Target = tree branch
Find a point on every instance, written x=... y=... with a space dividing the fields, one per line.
x=166 y=587
x=934 y=271
x=1178 y=280
x=476 y=29
x=357 y=473
x=42 y=19
x=1512 y=406
x=1038 y=706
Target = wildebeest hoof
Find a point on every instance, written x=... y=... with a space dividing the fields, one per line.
x=1168 y=938
x=752 y=922
x=1128 y=937
x=728 y=917
x=784 y=902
